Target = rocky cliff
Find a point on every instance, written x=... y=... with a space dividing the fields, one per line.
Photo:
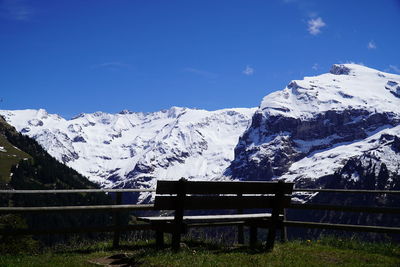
x=314 y=126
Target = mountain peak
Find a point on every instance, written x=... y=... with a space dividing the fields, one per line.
x=311 y=128
x=125 y=111
x=346 y=86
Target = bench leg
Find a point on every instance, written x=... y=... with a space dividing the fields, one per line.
x=253 y=236
x=271 y=237
x=176 y=240
x=284 y=234
x=159 y=239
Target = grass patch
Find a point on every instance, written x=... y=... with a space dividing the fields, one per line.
x=324 y=252
x=9 y=156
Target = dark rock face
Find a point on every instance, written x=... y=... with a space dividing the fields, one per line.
x=25 y=130
x=273 y=143
x=72 y=156
x=393 y=87
x=35 y=122
x=396 y=144
x=141 y=168
x=339 y=70
x=79 y=139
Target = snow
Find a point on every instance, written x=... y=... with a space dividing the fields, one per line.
x=355 y=177
x=305 y=146
x=328 y=161
x=173 y=143
x=314 y=95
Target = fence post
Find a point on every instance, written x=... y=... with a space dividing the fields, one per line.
x=284 y=229
x=117 y=220
x=240 y=228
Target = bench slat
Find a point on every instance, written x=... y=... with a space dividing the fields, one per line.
x=219 y=202
x=210 y=187
x=195 y=218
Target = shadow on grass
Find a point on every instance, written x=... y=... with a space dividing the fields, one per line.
x=107 y=248
x=142 y=249
x=151 y=248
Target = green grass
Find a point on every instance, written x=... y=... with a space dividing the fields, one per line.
x=9 y=158
x=325 y=252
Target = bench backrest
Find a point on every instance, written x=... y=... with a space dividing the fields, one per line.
x=196 y=195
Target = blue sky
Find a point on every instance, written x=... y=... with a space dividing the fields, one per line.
x=145 y=55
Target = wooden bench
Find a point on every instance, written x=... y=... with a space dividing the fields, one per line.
x=185 y=195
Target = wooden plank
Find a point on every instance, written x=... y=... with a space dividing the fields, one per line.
x=212 y=187
x=383 y=210
x=215 y=224
x=65 y=209
x=178 y=216
x=117 y=220
x=91 y=229
x=105 y=190
x=73 y=191
x=350 y=191
x=224 y=217
x=219 y=202
x=345 y=227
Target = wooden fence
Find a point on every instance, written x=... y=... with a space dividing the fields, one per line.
x=118 y=207
x=343 y=208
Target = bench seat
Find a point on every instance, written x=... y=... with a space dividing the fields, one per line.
x=208 y=218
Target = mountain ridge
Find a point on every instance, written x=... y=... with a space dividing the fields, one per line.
x=306 y=131
x=130 y=149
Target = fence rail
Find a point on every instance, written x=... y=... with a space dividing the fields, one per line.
x=111 y=190
x=356 y=191
x=118 y=207
x=384 y=210
x=70 y=191
x=66 y=209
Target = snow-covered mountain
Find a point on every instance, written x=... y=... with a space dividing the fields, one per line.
x=314 y=126
x=343 y=122
x=134 y=149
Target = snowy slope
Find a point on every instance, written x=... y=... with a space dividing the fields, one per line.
x=314 y=126
x=134 y=149
x=347 y=86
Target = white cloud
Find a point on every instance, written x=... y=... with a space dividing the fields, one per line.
x=16 y=10
x=248 y=71
x=315 y=66
x=203 y=73
x=351 y=62
x=394 y=68
x=371 y=45
x=315 y=25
